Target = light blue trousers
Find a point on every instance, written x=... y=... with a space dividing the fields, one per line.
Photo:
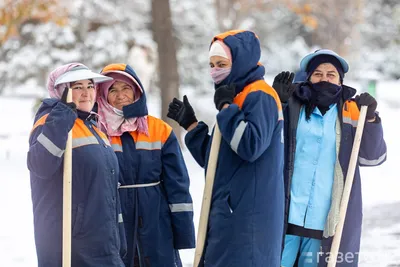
x=308 y=248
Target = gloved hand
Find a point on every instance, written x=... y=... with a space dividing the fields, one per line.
x=182 y=112
x=366 y=99
x=71 y=105
x=224 y=95
x=283 y=85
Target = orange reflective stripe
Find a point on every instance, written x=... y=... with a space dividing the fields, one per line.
x=241 y=97
x=159 y=126
x=259 y=85
x=80 y=130
x=116 y=140
x=39 y=122
x=82 y=136
x=116 y=143
x=351 y=113
x=102 y=135
x=350 y=110
x=159 y=131
x=115 y=66
x=135 y=135
x=355 y=112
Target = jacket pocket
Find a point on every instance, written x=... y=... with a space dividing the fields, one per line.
x=122 y=238
x=229 y=204
x=78 y=222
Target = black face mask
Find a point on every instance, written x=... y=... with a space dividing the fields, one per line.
x=321 y=95
x=324 y=94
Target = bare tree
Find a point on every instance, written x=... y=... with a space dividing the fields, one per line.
x=167 y=61
x=231 y=13
x=332 y=24
x=336 y=20
x=15 y=13
x=329 y=24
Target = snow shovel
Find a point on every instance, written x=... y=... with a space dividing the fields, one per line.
x=207 y=195
x=67 y=198
x=347 y=188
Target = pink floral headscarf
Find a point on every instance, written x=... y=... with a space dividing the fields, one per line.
x=56 y=92
x=112 y=120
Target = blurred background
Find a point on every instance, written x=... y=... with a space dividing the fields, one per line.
x=166 y=42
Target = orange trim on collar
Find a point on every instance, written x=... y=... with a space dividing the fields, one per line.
x=222 y=36
x=113 y=67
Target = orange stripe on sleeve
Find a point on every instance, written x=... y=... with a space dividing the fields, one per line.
x=79 y=129
x=39 y=122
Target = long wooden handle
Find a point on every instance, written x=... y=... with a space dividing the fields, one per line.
x=347 y=187
x=67 y=198
x=208 y=187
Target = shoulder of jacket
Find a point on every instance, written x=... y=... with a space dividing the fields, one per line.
x=158 y=128
x=157 y=122
x=264 y=87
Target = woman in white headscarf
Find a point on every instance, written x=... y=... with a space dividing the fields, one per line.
x=95 y=233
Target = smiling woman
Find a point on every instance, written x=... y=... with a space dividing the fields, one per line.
x=96 y=223
x=83 y=94
x=120 y=94
x=157 y=207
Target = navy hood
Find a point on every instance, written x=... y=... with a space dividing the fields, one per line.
x=246 y=52
x=138 y=108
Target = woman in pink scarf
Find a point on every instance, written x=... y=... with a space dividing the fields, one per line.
x=96 y=214
x=154 y=183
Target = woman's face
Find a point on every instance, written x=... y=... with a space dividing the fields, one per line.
x=220 y=62
x=120 y=94
x=83 y=95
x=325 y=72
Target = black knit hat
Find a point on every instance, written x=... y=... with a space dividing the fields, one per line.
x=320 y=59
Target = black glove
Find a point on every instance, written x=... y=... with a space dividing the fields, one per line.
x=181 y=112
x=71 y=105
x=224 y=95
x=366 y=99
x=283 y=85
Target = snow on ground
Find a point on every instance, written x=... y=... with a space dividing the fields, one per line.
x=381 y=234
x=16 y=223
x=380 y=244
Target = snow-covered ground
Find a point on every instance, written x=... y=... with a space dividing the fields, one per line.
x=381 y=235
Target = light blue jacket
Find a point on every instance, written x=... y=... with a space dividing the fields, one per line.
x=312 y=181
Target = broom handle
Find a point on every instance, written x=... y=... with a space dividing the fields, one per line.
x=67 y=198
x=207 y=196
x=347 y=187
